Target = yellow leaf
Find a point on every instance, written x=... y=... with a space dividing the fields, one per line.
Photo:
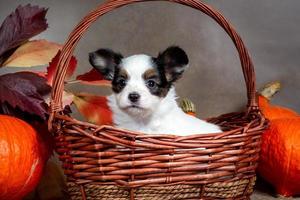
x=33 y=53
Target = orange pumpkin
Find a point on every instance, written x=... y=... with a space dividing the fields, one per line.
x=270 y=111
x=21 y=157
x=280 y=150
x=280 y=156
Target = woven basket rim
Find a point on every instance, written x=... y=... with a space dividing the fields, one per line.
x=117 y=134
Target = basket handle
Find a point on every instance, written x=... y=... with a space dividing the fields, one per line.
x=80 y=29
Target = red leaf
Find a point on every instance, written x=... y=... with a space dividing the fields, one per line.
x=25 y=90
x=94 y=108
x=26 y=22
x=53 y=65
x=93 y=77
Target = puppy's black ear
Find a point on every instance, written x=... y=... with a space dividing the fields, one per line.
x=173 y=61
x=105 y=61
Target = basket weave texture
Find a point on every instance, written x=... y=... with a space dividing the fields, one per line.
x=103 y=162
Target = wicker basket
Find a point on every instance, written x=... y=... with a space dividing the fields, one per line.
x=103 y=162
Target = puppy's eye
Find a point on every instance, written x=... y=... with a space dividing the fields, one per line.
x=150 y=83
x=122 y=82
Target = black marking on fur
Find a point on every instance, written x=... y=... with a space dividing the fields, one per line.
x=120 y=80
x=105 y=61
x=162 y=86
x=173 y=61
x=168 y=66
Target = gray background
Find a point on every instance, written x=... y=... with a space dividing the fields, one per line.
x=269 y=28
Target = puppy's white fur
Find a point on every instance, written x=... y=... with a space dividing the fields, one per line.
x=155 y=115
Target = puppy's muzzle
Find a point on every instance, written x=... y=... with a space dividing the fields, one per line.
x=134 y=97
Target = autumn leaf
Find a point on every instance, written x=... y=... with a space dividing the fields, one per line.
x=94 y=108
x=25 y=91
x=93 y=77
x=53 y=65
x=26 y=22
x=33 y=53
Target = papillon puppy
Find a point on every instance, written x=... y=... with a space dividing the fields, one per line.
x=144 y=97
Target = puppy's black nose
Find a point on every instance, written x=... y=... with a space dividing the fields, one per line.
x=134 y=97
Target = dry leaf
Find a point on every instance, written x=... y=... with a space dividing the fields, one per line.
x=17 y=28
x=25 y=90
x=33 y=53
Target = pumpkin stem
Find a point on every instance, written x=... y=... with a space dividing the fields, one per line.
x=270 y=89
